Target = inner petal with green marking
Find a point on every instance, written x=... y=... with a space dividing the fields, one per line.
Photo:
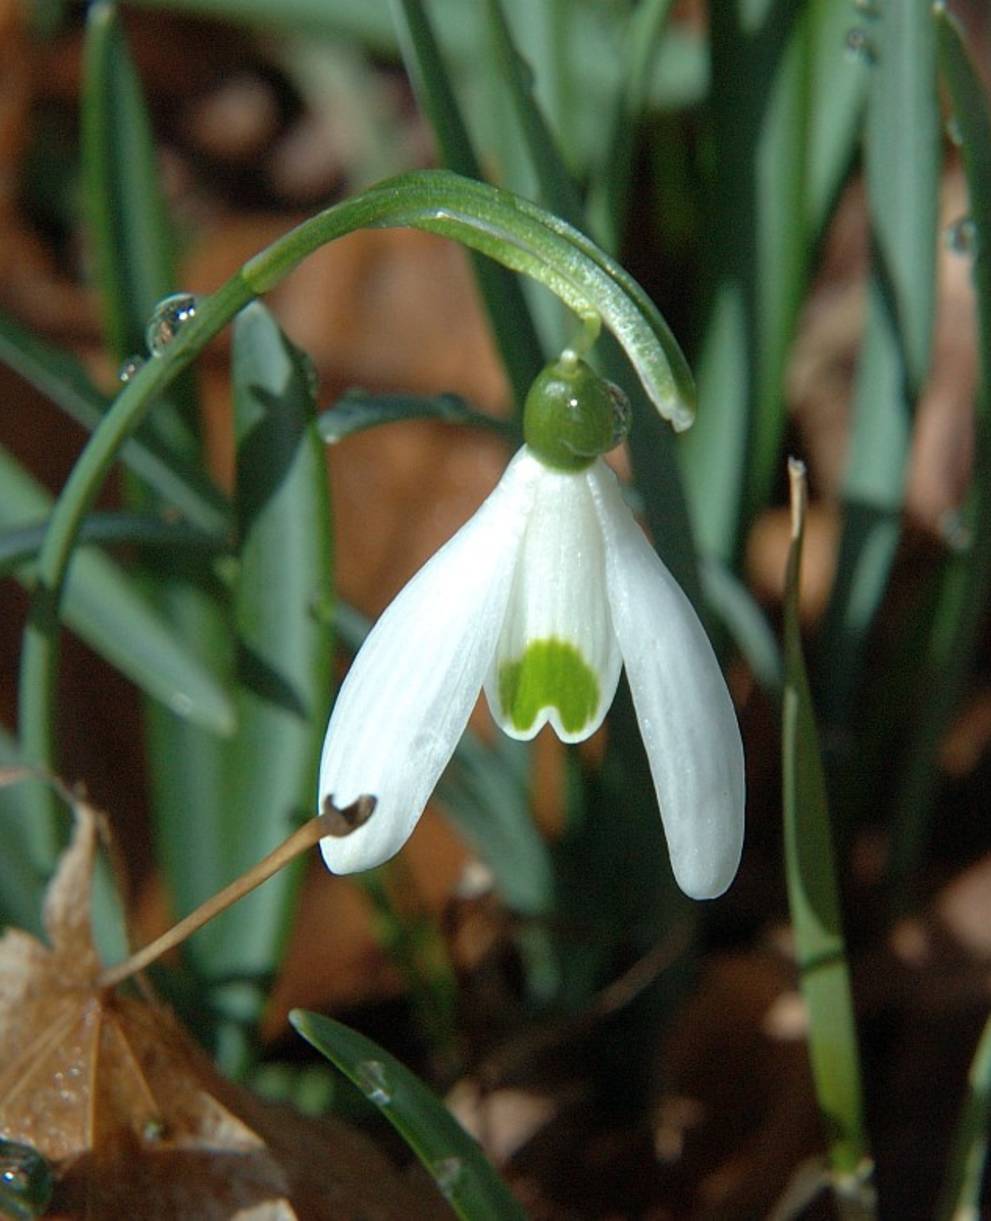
x=550 y=674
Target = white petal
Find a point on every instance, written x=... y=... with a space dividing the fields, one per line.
x=557 y=659
x=685 y=712
x=409 y=693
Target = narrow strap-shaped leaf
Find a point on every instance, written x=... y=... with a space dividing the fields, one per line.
x=357 y=410
x=966 y=580
x=126 y=211
x=813 y=897
x=24 y=542
x=902 y=166
x=518 y=234
x=759 y=257
x=873 y=495
x=450 y=1155
x=557 y=190
x=283 y=648
x=59 y=376
x=609 y=194
x=104 y=607
x=736 y=608
x=508 y=312
x=960 y=1199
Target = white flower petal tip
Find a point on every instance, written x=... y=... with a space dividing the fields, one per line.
x=685 y=712
x=408 y=695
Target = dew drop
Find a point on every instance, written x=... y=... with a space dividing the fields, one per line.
x=26 y=1181
x=953 y=132
x=130 y=368
x=168 y=318
x=447 y=1174
x=860 y=47
x=372 y=1081
x=868 y=8
x=961 y=236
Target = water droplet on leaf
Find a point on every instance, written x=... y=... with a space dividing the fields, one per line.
x=168 y=318
x=860 y=47
x=953 y=132
x=129 y=368
x=26 y=1181
x=961 y=236
x=373 y=1082
x=869 y=8
x=447 y=1175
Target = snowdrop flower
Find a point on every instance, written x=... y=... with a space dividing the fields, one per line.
x=540 y=599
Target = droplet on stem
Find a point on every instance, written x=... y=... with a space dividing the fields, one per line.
x=167 y=319
x=130 y=368
x=961 y=236
x=373 y=1082
x=860 y=47
x=447 y=1174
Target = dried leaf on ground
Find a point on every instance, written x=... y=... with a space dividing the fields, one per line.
x=132 y=1115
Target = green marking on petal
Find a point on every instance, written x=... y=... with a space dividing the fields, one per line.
x=550 y=674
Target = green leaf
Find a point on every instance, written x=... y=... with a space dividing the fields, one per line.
x=59 y=376
x=449 y=1154
x=813 y=894
x=485 y=793
x=126 y=212
x=24 y=542
x=902 y=165
x=22 y=888
x=960 y=1199
x=966 y=579
x=873 y=494
x=609 y=193
x=104 y=608
x=838 y=87
x=557 y=191
x=283 y=648
x=357 y=410
x=759 y=253
x=133 y=265
x=735 y=607
x=508 y=313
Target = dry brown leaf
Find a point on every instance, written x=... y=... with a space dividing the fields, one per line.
x=132 y=1115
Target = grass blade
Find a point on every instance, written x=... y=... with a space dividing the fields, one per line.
x=284 y=649
x=133 y=264
x=126 y=211
x=508 y=313
x=966 y=580
x=59 y=376
x=104 y=608
x=960 y=1199
x=357 y=410
x=813 y=897
x=609 y=193
x=902 y=170
x=23 y=543
x=450 y=1155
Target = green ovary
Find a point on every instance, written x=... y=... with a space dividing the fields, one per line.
x=551 y=673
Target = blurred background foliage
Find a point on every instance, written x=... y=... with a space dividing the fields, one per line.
x=804 y=189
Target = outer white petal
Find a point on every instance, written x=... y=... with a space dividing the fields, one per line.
x=685 y=712
x=409 y=693
x=559 y=596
